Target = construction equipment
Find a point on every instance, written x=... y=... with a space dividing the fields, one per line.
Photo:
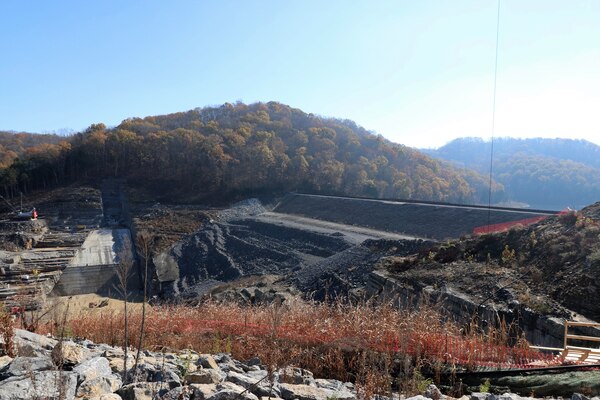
x=20 y=214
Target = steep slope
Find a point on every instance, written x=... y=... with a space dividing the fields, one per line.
x=547 y=267
x=233 y=150
x=546 y=173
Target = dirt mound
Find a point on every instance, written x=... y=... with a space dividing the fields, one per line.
x=346 y=273
x=241 y=247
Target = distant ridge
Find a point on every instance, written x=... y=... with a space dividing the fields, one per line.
x=545 y=173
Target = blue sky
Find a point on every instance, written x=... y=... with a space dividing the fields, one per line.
x=418 y=72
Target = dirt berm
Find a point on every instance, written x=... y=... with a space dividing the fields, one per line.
x=424 y=220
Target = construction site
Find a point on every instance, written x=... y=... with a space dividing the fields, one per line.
x=296 y=246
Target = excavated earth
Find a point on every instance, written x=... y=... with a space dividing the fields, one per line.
x=246 y=241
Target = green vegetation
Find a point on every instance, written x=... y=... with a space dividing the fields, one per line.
x=242 y=149
x=546 y=173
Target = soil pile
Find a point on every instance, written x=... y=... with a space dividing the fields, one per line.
x=550 y=267
x=225 y=251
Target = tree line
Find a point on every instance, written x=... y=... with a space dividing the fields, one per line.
x=238 y=149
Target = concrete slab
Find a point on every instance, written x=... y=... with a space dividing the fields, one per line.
x=102 y=247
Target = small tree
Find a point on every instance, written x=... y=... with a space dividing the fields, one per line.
x=145 y=242
x=7 y=332
x=124 y=269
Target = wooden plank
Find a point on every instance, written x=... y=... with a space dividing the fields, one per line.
x=582 y=348
x=546 y=348
x=597 y=325
x=584 y=355
x=581 y=337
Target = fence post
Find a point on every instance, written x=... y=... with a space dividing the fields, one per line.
x=566 y=333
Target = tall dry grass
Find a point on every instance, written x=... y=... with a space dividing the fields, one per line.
x=376 y=346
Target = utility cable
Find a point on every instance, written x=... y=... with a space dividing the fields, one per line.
x=493 y=119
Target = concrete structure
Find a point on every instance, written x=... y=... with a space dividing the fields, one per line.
x=93 y=268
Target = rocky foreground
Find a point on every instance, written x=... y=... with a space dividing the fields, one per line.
x=48 y=369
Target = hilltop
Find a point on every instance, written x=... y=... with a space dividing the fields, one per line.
x=237 y=149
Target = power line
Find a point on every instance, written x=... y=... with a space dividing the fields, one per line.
x=493 y=118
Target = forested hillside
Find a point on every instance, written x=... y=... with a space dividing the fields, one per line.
x=545 y=173
x=238 y=149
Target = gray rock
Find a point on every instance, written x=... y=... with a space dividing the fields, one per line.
x=579 y=396
x=30 y=344
x=25 y=366
x=432 y=392
x=418 y=397
x=46 y=384
x=296 y=376
x=69 y=353
x=142 y=372
x=306 y=392
x=107 y=396
x=167 y=376
x=207 y=361
x=93 y=368
x=255 y=381
x=254 y=361
x=99 y=385
x=142 y=391
x=4 y=361
x=203 y=391
x=204 y=376
x=330 y=384
x=479 y=396
x=179 y=393
x=231 y=391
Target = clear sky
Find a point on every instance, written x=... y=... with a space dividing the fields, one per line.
x=419 y=72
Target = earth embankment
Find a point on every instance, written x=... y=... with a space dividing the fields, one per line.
x=424 y=220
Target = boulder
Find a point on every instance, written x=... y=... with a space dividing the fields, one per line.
x=204 y=376
x=4 y=361
x=179 y=393
x=479 y=396
x=330 y=384
x=207 y=361
x=432 y=392
x=46 y=384
x=21 y=366
x=69 y=354
x=93 y=368
x=255 y=381
x=116 y=364
x=30 y=344
x=231 y=391
x=306 y=392
x=202 y=391
x=108 y=396
x=296 y=376
x=98 y=386
x=142 y=391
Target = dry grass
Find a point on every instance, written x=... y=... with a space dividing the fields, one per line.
x=376 y=346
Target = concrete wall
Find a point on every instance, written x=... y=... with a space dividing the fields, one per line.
x=100 y=279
